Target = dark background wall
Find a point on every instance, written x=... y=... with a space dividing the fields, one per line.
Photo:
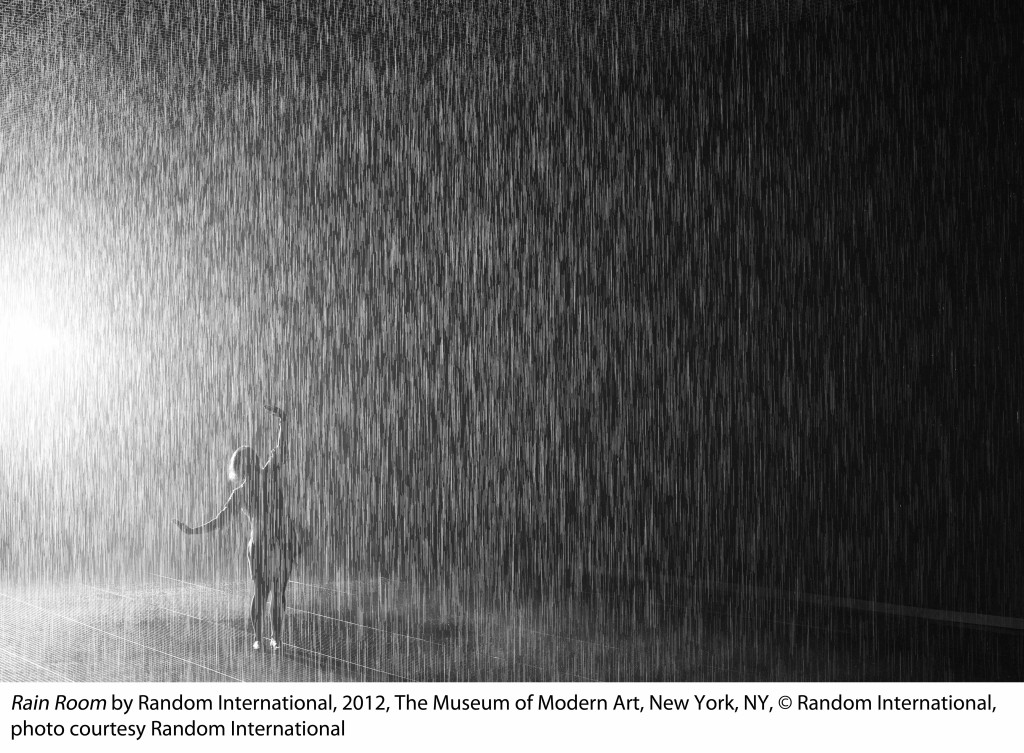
x=549 y=290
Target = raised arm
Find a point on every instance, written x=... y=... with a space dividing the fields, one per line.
x=278 y=454
x=234 y=502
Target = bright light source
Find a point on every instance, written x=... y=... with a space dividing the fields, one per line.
x=27 y=343
x=38 y=370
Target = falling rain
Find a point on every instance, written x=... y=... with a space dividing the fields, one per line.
x=564 y=341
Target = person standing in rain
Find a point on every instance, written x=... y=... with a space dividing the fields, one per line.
x=273 y=541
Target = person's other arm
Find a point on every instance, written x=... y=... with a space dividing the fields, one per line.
x=279 y=453
x=213 y=524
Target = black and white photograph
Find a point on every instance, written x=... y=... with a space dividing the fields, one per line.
x=501 y=341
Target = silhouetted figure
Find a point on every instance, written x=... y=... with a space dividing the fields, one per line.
x=274 y=541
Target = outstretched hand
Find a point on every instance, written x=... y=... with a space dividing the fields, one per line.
x=184 y=528
x=274 y=409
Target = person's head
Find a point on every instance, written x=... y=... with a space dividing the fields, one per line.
x=245 y=463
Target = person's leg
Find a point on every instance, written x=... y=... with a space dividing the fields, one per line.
x=259 y=598
x=277 y=603
x=259 y=594
x=276 y=612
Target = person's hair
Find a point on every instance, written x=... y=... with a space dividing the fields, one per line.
x=244 y=463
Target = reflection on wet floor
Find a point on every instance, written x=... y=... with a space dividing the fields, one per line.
x=375 y=629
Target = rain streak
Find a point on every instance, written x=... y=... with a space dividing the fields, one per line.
x=609 y=341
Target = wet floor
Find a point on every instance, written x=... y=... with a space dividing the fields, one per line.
x=173 y=629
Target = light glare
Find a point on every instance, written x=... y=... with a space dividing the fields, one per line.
x=27 y=343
